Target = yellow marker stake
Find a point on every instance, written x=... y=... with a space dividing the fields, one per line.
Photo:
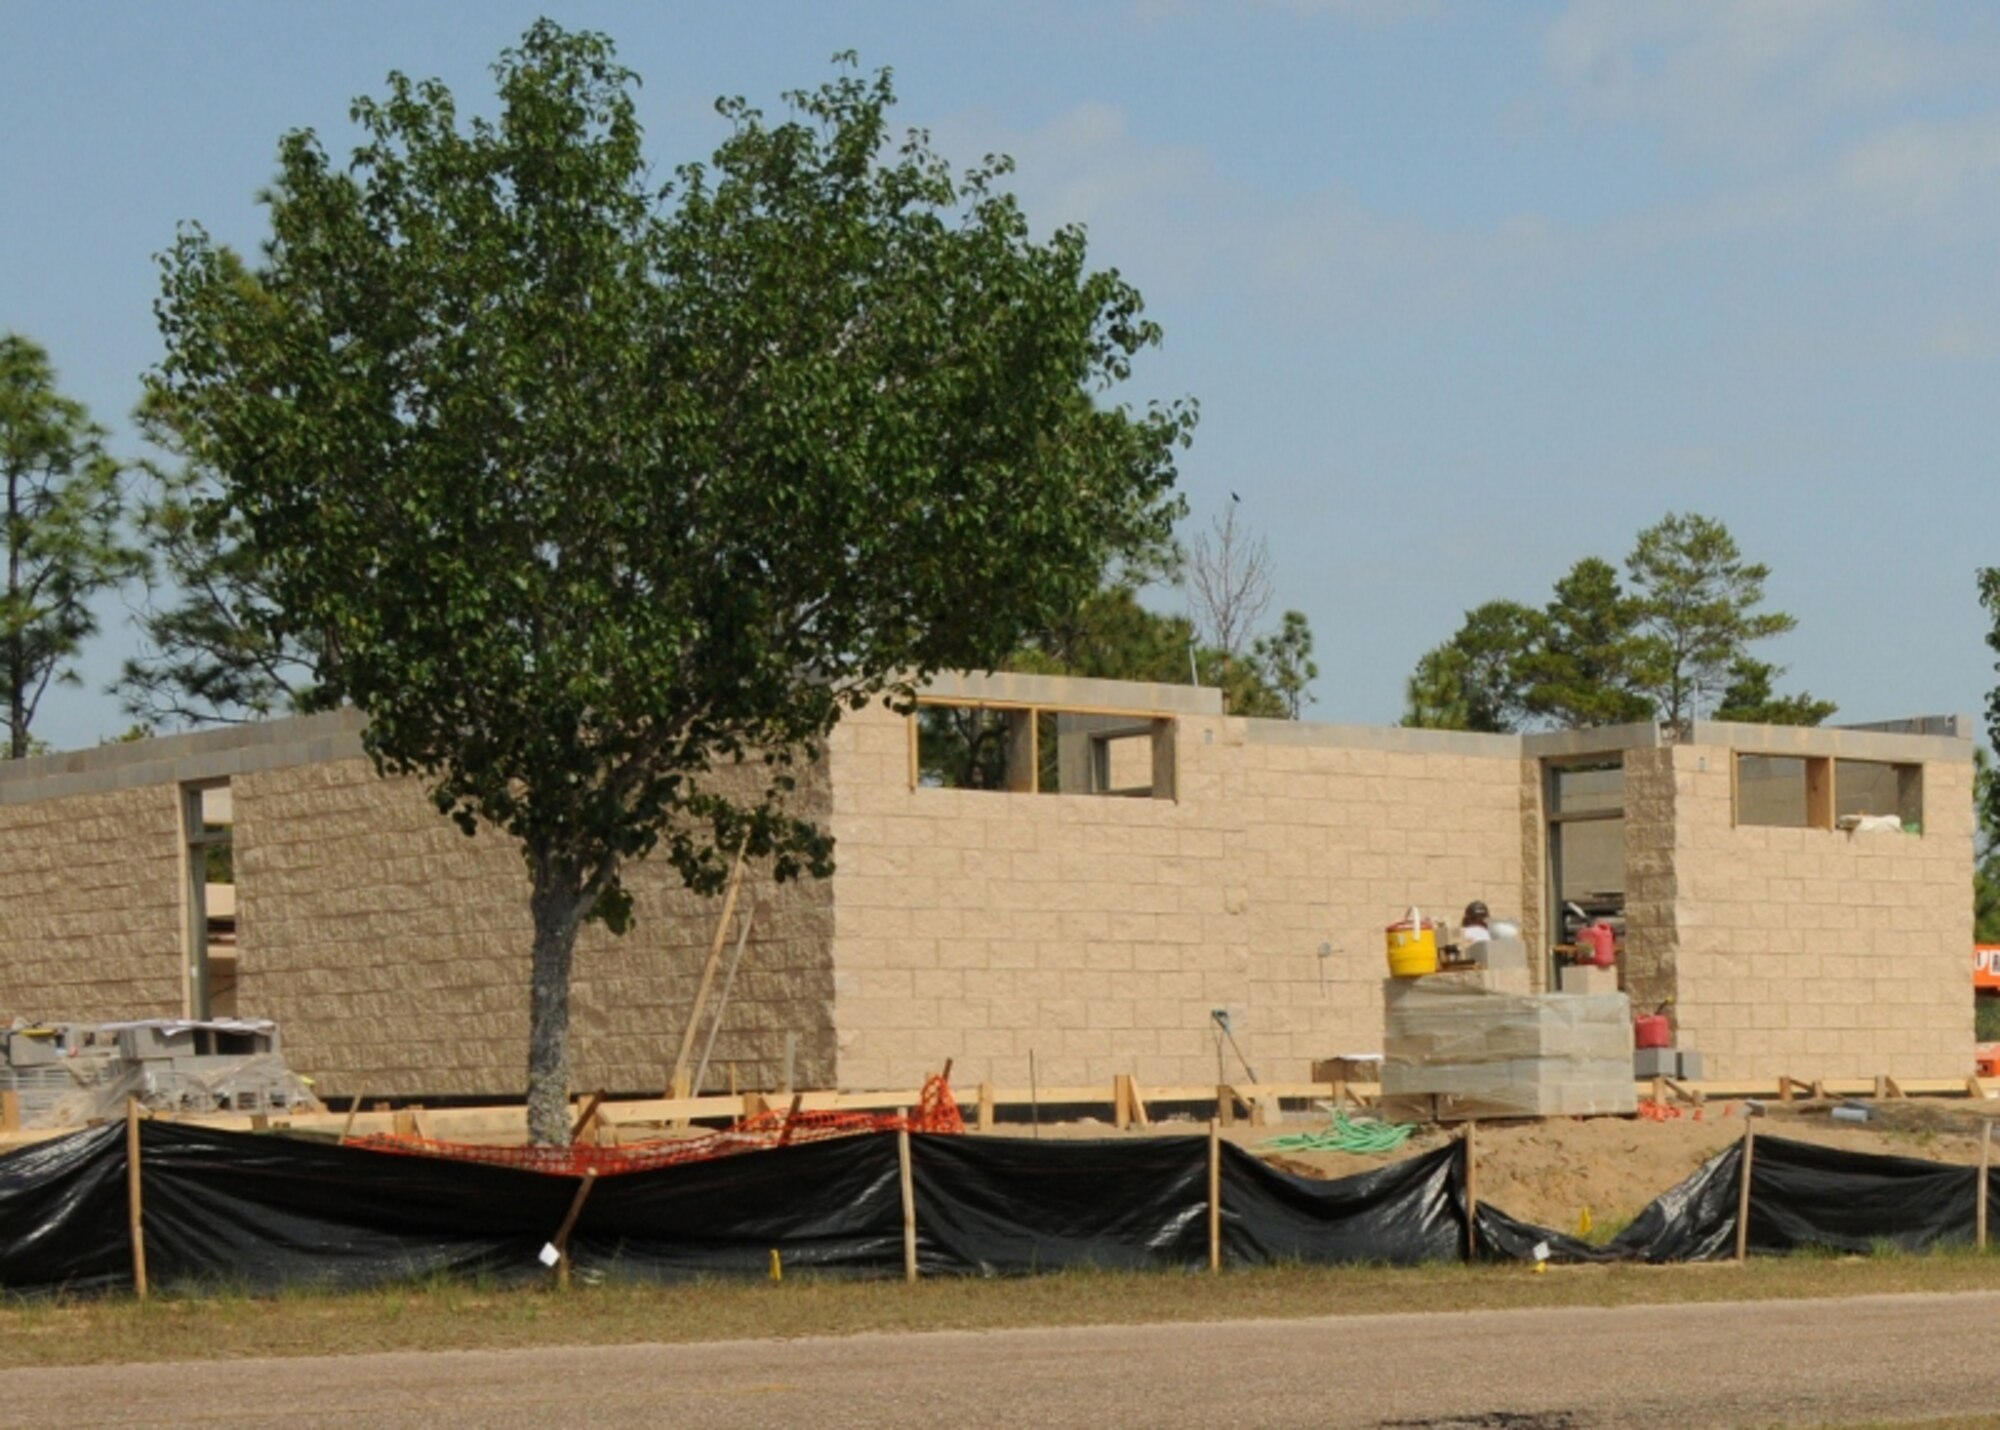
x=777 y=1266
x=1583 y=1222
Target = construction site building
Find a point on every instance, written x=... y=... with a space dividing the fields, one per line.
x=1135 y=861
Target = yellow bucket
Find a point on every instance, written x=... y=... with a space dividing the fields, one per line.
x=1413 y=947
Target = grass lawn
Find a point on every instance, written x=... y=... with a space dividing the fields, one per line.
x=457 y=1315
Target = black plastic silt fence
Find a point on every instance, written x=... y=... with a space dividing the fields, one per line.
x=262 y=1213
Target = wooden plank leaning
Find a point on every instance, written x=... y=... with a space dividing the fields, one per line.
x=684 y=1058
x=569 y=1224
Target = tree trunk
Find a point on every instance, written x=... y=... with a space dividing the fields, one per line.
x=559 y=905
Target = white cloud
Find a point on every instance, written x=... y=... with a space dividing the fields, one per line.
x=1754 y=80
x=1172 y=218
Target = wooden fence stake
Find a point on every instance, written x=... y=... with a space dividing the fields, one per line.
x=1214 y=1196
x=1471 y=1189
x=10 y=1111
x=1225 y=1104
x=1121 y=1101
x=1743 y=1191
x=347 y=1127
x=134 y=1196
x=909 y=1198
x=986 y=1107
x=569 y=1225
x=1985 y=1170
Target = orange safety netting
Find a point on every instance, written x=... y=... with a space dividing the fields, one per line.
x=936 y=1111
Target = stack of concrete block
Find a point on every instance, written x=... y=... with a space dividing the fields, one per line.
x=1680 y=1063
x=1587 y=978
x=1454 y=1048
x=1503 y=962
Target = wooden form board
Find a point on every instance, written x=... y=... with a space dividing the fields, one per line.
x=982 y=1106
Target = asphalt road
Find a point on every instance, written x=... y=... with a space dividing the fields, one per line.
x=1895 y=1358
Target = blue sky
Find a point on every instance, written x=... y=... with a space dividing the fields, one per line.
x=1466 y=292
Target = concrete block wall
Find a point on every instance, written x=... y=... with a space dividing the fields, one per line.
x=1100 y=933
x=1342 y=832
x=981 y=926
x=91 y=911
x=1650 y=965
x=1819 y=953
x=394 y=951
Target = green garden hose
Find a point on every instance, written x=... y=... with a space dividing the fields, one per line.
x=1365 y=1138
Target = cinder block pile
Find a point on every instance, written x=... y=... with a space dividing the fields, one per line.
x=1455 y=1047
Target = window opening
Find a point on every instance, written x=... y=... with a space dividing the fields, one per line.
x=1776 y=791
x=208 y=818
x=1817 y=792
x=1040 y=750
x=1586 y=844
x=1867 y=788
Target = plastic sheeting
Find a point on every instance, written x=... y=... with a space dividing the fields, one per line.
x=833 y=1207
x=232 y=1208
x=261 y=1212
x=1007 y=1206
x=1805 y=1196
x=63 y=1215
x=1407 y=1212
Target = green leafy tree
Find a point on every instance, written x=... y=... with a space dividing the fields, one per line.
x=1697 y=613
x=1474 y=680
x=1986 y=876
x=1751 y=698
x=602 y=500
x=1580 y=665
x=1284 y=665
x=63 y=540
x=1986 y=850
x=211 y=648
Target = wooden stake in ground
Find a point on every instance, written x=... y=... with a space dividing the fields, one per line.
x=1985 y=1177
x=1743 y=1191
x=135 y=1196
x=569 y=1225
x=1214 y=1197
x=1471 y=1189
x=909 y=1197
x=352 y=1108
x=986 y=1107
x=681 y=1061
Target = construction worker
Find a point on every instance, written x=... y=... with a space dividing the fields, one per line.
x=1473 y=927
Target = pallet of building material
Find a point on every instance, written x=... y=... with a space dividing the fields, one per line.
x=1479 y=1051
x=170 y=1065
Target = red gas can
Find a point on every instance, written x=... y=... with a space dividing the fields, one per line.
x=1596 y=943
x=1652 y=1030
